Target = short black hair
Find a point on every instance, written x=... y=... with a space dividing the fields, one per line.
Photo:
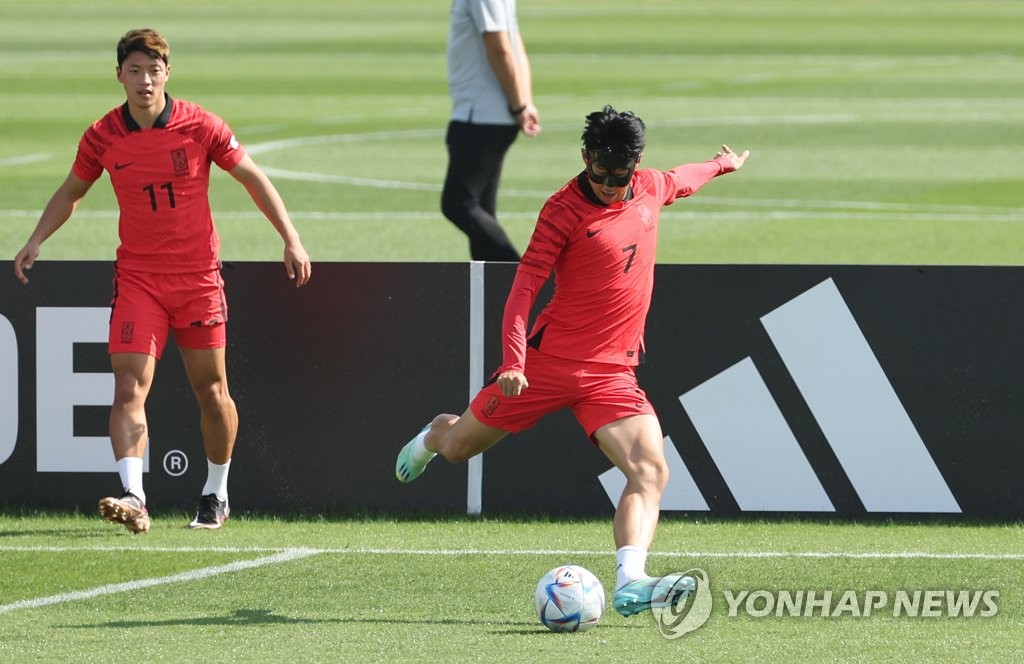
x=608 y=130
x=143 y=40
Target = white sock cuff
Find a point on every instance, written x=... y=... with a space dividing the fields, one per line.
x=130 y=471
x=419 y=447
x=632 y=564
x=217 y=479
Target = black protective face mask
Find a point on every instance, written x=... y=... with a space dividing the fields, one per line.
x=611 y=162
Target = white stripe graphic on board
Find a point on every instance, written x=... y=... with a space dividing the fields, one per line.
x=681 y=494
x=750 y=442
x=475 y=466
x=59 y=389
x=8 y=389
x=855 y=405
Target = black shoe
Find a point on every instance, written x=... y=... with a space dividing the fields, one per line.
x=212 y=513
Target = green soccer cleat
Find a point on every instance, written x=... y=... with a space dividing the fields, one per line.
x=406 y=468
x=639 y=595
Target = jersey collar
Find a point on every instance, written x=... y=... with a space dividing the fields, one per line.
x=161 y=121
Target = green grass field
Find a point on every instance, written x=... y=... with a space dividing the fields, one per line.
x=881 y=132
x=73 y=588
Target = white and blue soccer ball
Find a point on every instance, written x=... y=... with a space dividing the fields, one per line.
x=569 y=598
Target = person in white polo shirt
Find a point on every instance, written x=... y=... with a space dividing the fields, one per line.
x=492 y=101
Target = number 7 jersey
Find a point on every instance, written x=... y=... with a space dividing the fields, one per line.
x=603 y=261
x=161 y=177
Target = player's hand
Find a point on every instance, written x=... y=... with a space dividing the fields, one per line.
x=529 y=120
x=296 y=262
x=734 y=160
x=24 y=261
x=512 y=383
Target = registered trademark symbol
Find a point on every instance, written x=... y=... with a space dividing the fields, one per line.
x=175 y=463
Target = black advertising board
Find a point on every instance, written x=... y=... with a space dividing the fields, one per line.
x=329 y=381
x=834 y=390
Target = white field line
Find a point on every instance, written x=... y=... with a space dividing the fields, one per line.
x=792 y=209
x=378 y=136
x=306 y=551
x=326 y=139
x=25 y=159
x=868 y=555
x=289 y=554
x=915 y=115
x=283 y=174
x=285 y=555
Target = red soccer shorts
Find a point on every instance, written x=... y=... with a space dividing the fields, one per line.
x=146 y=306
x=595 y=392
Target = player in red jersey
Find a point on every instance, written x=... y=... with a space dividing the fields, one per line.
x=158 y=151
x=598 y=234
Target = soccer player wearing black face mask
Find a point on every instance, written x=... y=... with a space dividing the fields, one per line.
x=598 y=234
x=609 y=174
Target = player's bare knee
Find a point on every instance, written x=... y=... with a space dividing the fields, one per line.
x=661 y=473
x=662 y=478
x=649 y=474
x=213 y=396
x=437 y=436
x=128 y=399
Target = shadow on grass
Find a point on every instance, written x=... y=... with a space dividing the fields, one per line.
x=263 y=617
x=238 y=617
x=77 y=533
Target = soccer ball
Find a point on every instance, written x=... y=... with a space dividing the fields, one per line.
x=569 y=598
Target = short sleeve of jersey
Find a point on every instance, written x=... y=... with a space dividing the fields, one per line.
x=210 y=130
x=491 y=15
x=224 y=149
x=91 y=146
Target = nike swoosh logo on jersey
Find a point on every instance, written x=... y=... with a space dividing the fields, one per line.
x=591 y=233
x=118 y=167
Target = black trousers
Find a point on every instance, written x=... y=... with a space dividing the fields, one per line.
x=476 y=153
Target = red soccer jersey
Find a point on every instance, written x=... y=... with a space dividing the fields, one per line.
x=603 y=260
x=161 y=177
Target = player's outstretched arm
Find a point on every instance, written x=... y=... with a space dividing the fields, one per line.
x=264 y=194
